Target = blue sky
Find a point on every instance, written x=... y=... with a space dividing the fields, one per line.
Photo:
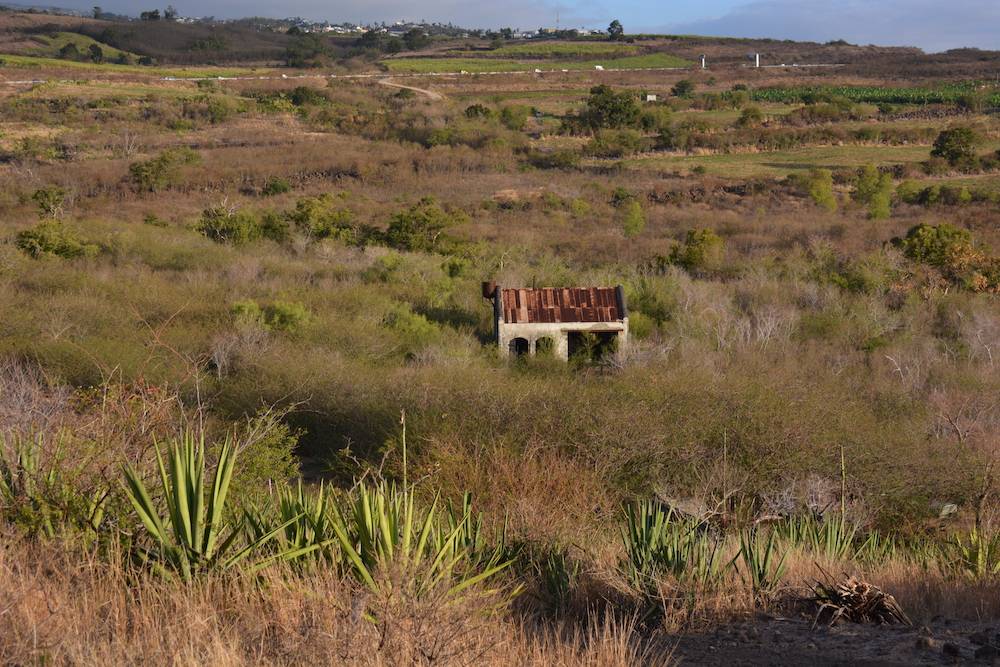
x=930 y=24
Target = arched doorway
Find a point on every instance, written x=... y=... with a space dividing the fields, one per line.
x=519 y=347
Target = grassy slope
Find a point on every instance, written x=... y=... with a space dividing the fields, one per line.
x=53 y=43
x=36 y=62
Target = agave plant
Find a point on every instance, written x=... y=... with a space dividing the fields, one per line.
x=975 y=555
x=307 y=520
x=832 y=539
x=657 y=543
x=36 y=494
x=195 y=533
x=762 y=568
x=383 y=530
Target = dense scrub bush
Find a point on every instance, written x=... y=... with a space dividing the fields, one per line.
x=952 y=250
x=702 y=250
x=956 y=145
x=163 y=170
x=606 y=109
x=50 y=200
x=54 y=238
x=515 y=116
x=422 y=226
x=225 y=224
x=614 y=143
x=324 y=217
x=283 y=316
x=874 y=190
x=275 y=186
x=818 y=184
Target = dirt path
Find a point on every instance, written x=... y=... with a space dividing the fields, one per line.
x=793 y=642
x=430 y=94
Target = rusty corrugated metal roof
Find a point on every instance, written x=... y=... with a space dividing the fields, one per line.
x=569 y=304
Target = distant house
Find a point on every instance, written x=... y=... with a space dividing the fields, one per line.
x=558 y=321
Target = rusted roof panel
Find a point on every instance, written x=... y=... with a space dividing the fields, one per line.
x=570 y=304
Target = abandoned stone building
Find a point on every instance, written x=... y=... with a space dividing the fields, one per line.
x=563 y=322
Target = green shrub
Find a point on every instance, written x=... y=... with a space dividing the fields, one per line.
x=633 y=219
x=275 y=186
x=421 y=227
x=413 y=329
x=750 y=117
x=819 y=185
x=937 y=245
x=226 y=225
x=607 y=109
x=614 y=143
x=479 y=111
x=515 y=117
x=702 y=249
x=50 y=200
x=54 y=238
x=283 y=316
x=874 y=190
x=322 y=218
x=162 y=171
x=956 y=145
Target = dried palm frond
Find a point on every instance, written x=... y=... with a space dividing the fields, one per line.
x=856 y=601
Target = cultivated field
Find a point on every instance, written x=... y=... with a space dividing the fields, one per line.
x=250 y=411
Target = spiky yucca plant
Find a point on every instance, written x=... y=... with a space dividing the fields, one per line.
x=195 y=533
x=761 y=567
x=383 y=531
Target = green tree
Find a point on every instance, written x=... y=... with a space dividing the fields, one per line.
x=96 y=53
x=69 y=51
x=702 y=249
x=874 y=189
x=415 y=38
x=616 y=31
x=683 y=88
x=608 y=109
x=819 y=185
x=420 y=227
x=956 y=145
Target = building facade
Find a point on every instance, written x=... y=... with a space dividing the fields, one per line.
x=560 y=321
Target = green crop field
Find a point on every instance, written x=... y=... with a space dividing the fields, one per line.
x=879 y=94
x=476 y=65
x=566 y=49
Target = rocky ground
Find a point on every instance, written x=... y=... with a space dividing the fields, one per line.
x=778 y=641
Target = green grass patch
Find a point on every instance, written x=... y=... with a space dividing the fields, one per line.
x=782 y=163
x=52 y=44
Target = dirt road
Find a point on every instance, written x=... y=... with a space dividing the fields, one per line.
x=430 y=94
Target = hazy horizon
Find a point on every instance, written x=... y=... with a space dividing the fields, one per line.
x=929 y=25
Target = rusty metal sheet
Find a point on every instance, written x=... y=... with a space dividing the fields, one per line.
x=566 y=304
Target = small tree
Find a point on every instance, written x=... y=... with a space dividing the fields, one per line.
x=873 y=189
x=415 y=38
x=819 y=185
x=152 y=15
x=616 y=31
x=751 y=117
x=420 y=227
x=608 y=109
x=683 y=88
x=50 y=200
x=956 y=145
x=69 y=51
x=96 y=53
